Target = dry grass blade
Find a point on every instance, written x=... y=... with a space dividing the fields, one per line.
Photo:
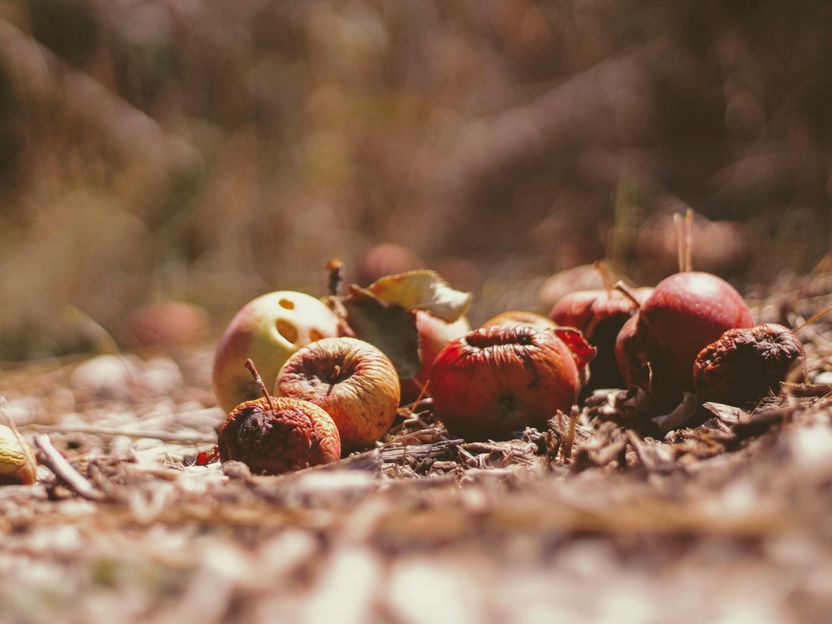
x=163 y=436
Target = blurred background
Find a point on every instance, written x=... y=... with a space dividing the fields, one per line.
x=204 y=152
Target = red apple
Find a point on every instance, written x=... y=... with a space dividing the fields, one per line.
x=599 y=314
x=354 y=382
x=684 y=314
x=268 y=330
x=497 y=380
x=434 y=334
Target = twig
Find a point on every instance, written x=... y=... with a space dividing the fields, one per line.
x=58 y=464
x=164 y=436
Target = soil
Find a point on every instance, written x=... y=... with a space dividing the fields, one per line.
x=599 y=518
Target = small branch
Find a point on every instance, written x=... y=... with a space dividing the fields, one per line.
x=58 y=464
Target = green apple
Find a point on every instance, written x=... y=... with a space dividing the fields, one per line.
x=268 y=330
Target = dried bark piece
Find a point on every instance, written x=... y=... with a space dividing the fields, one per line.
x=744 y=365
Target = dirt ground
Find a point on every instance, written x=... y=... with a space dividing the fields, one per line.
x=727 y=521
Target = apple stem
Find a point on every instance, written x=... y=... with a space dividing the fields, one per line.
x=815 y=317
x=625 y=290
x=250 y=367
x=335 y=269
x=606 y=276
x=684 y=240
x=689 y=240
x=680 y=252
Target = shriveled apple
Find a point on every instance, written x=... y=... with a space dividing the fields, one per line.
x=354 y=382
x=497 y=380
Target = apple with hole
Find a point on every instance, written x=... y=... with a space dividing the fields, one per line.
x=353 y=381
x=685 y=313
x=497 y=380
x=267 y=330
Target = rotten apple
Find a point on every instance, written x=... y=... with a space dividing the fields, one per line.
x=268 y=330
x=744 y=365
x=497 y=380
x=277 y=435
x=353 y=381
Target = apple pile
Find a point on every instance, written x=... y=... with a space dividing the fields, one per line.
x=694 y=333
x=341 y=365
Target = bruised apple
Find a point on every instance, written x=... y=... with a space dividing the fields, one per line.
x=497 y=380
x=353 y=381
x=434 y=334
x=277 y=435
x=267 y=330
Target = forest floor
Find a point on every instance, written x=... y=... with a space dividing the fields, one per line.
x=728 y=521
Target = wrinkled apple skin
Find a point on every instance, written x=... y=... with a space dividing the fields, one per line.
x=353 y=381
x=521 y=317
x=599 y=314
x=268 y=330
x=497 y=380
x=297 y=434
x=434 y=334
x=747 y=364
x=684 y=314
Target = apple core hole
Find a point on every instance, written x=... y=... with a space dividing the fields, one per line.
x=287 y=330
x=286 y=304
